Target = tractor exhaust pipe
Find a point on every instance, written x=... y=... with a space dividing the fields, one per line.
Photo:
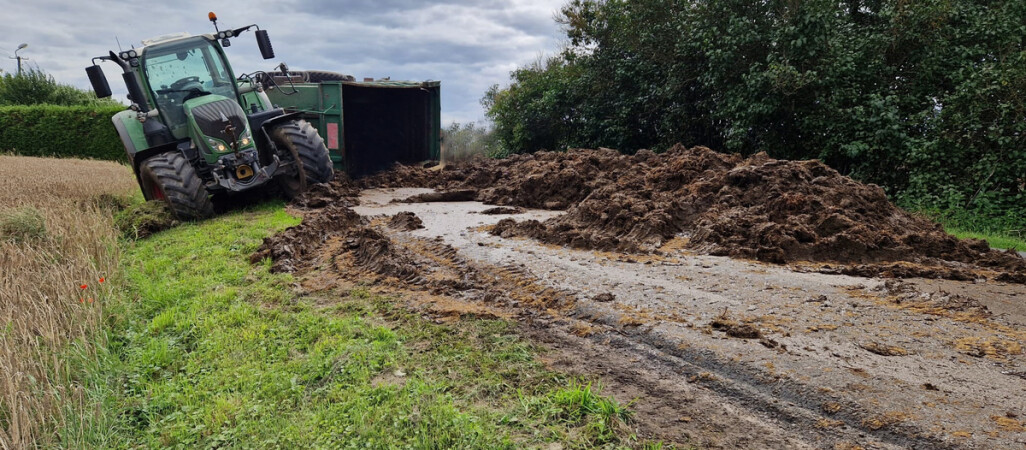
x=135 y=92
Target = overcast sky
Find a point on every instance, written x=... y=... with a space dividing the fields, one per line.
x=467 y=44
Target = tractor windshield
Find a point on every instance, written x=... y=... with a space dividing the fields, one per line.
x=182 y=71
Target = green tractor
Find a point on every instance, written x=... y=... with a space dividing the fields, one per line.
x=196 y=131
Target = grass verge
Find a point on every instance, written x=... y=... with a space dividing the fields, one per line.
x=210 y=351
x=996 y=239
x=1001 y=232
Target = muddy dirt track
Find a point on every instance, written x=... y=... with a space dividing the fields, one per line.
x=741 y=303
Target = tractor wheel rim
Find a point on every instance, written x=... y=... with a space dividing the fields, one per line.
x=156 y=193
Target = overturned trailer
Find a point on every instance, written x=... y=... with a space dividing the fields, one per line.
x=367 y=125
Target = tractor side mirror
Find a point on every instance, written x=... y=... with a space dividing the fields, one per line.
x=99 y=81
x=264 y=42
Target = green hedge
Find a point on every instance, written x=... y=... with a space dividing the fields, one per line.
x=62 y=131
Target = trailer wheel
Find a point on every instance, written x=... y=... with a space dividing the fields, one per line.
x=300 y=142
x=170 y=178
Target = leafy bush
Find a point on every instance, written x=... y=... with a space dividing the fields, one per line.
x=64 y=131
x=35 y=87
x=41 y=117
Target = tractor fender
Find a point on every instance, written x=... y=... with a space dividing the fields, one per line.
x=143 y=155
x=270 y=123
x=267 y=124
x=130 y=130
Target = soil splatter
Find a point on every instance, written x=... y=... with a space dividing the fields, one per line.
x=405 y=221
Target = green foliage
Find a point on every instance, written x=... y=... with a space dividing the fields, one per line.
x=208 y=351
x=22 y=224
x=462 y=141
x=63 y=131
x=924 y=98
x=535 y=112
x=35 y=87
x=40 y=117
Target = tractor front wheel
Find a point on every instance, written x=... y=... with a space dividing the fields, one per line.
x=300 y=141
x=170 y=178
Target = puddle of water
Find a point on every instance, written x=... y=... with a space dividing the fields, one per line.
x=447 y=219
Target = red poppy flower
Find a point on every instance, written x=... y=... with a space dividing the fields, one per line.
x=102 y=279
x=84 y=286
x=81 y=300
x=90 y=300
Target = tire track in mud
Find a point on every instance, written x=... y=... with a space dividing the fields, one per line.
x=627 y=356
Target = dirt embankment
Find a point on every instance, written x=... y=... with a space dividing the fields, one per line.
x=759 y=208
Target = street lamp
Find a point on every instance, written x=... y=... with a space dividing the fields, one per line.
x=18 y=57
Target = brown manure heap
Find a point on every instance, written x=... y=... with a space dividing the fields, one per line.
x=758 y=208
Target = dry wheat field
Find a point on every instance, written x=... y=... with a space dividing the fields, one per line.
x=58 y=249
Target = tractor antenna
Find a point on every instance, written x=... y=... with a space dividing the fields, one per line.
x=118 y=41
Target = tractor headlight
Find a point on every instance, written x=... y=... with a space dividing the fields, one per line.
x=246 y=139
x=217 y=146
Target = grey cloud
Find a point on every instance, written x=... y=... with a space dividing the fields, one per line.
x=467 y=44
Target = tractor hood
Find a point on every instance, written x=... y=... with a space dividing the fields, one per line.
x=220 y=124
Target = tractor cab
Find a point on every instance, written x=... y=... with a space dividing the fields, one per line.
x=180 y=70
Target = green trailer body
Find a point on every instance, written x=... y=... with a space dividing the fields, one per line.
x=369 y=125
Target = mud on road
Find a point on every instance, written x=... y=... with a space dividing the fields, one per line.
x=755 y=208
x=714 y=351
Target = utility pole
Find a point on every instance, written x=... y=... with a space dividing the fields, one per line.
x=19 y=57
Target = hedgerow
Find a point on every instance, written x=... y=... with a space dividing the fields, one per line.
x=62 y=131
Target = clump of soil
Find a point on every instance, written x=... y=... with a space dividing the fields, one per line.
x=297 y=247
x=289 y=249
x=144 y=219
x=735 y=329
x=376 y=252
x=902 y=270
x=501 y=210
x=340 y=191
x=462 y=195
x=940 y=303
x=883 y=349
x=759 y=208
x=406 y=221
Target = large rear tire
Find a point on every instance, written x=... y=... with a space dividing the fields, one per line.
x=300 y=140
x=170 y=178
